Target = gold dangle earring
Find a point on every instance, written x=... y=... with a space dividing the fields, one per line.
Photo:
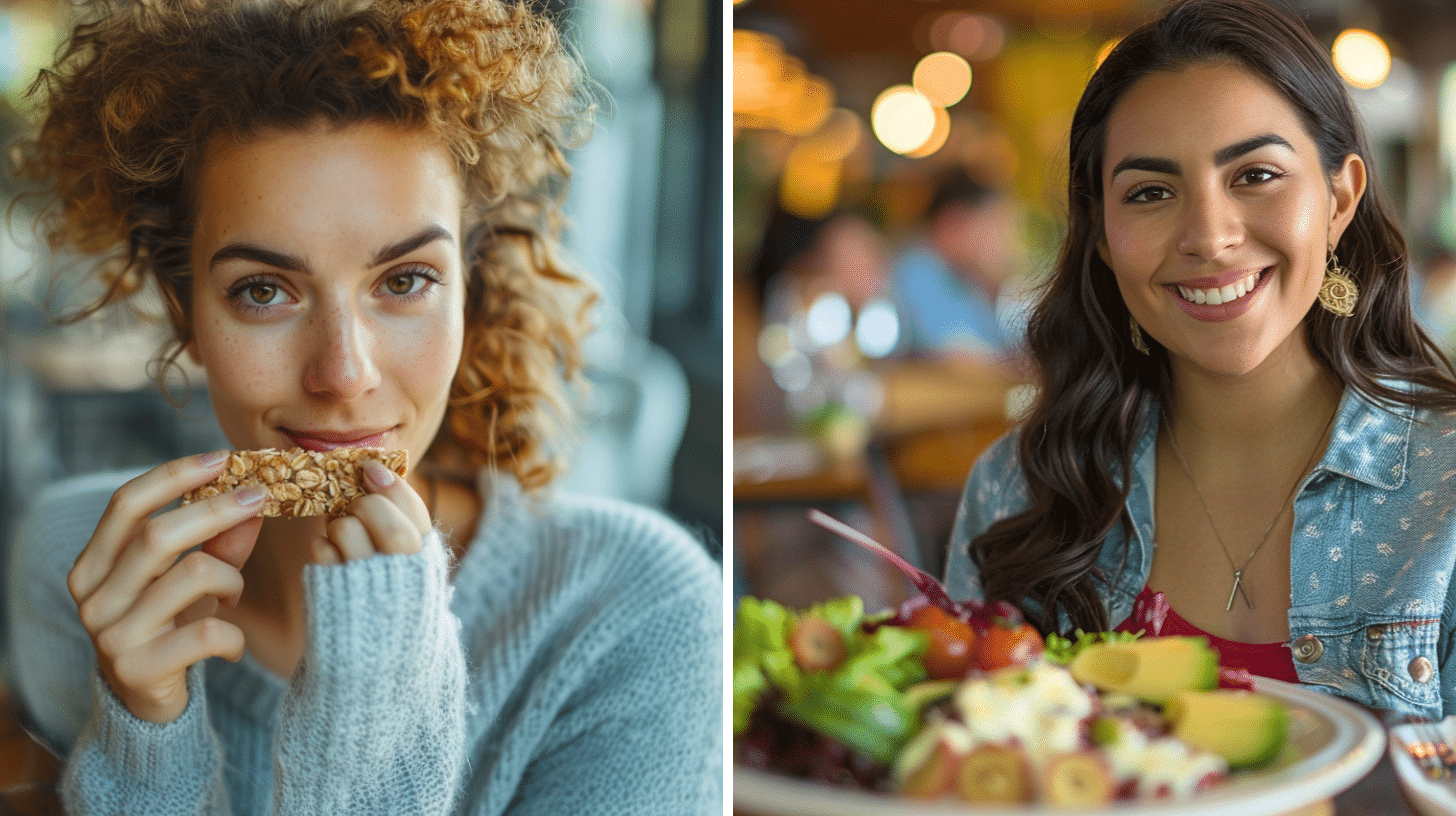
x=1137 y=335
x=1338 y=293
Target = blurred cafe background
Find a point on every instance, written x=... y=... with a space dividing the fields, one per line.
x=898 y=179
x=646 y=201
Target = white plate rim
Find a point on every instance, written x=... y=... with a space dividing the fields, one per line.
x=1355 y=748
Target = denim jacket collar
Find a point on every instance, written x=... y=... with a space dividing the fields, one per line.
x=1369 y=442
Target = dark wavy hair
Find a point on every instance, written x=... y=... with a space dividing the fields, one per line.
x=1097 y=393
x=142 y=88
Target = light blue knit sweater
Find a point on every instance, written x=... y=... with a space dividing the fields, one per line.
x=580 y=672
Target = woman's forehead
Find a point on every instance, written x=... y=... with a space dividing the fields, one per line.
x=1197 y=111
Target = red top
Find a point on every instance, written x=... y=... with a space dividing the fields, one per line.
x=1152 y=614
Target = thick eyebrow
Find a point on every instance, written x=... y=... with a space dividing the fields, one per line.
x=251 y=252
x=1249 y=145
x=1221 y=157
x=292 y=263
x=399 y=249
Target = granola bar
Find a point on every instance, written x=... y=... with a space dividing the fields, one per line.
x=301 y=482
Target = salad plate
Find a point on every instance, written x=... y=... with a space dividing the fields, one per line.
x=1332 y=744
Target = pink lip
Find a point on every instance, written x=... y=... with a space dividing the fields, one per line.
x=1219 y=281
x=1224 y=311
x=329 y=440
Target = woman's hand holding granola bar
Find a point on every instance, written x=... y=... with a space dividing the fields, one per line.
x=151 y=610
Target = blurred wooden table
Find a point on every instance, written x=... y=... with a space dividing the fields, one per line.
x=28 y=772
x=935 y=419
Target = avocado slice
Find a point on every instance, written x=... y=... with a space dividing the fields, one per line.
x=1151 y=669
x=1245 y=728
x=926 y=692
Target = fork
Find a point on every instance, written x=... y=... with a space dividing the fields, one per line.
x=1431 y=752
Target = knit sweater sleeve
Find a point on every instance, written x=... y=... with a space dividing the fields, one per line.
x=50 y=658
x=122 y=764
x=373 y=721
x=642 y=732
x=115 y=762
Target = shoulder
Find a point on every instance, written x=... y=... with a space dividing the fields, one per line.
x=590 y=544
x=994 y=490
x=60 y=521
x=996 y=477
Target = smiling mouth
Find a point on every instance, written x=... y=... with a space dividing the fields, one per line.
x=1222 y=295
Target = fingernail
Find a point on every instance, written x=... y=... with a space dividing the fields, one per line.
x=377 y=474
x=250 y=495
x=212 y=459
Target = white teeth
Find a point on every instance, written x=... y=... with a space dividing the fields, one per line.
x=1226 y=294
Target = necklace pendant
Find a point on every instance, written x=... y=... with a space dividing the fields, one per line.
x=1237 y=589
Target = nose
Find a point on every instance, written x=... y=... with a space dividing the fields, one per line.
x=1210 y=225
x=341 y=362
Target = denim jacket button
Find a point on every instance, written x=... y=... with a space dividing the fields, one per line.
x=1307 y=649
x=1375 y=632
x=1421 y=670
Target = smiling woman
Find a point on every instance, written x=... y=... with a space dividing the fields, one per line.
x=1241 y=432
x=351 y=210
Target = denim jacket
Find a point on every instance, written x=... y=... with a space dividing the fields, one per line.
x=1372 y=616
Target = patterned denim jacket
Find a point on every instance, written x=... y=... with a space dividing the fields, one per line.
x=1372 y=616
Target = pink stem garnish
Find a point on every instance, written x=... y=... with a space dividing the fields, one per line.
x=932 y=589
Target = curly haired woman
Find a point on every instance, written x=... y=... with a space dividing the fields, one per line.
x=1241 y=431
x=350 y=210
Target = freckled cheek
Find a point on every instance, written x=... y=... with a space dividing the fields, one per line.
x=428 y=361
x=246 y=374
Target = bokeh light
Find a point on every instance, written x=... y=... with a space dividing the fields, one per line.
x=943 y=78
x=977 y=37
x=902 y=119
x=828 y=320
x=937 y=138
x=877 y=331
x=1361 y=57
x=772 y=89
x=809 y=185
x=775 y=345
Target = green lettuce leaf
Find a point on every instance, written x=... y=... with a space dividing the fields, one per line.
x=861 y=702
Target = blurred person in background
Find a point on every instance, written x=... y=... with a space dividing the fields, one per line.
x=958 y=283
x=352 y=212
x=1241 y=430
x=802 y=258
x=827 y=311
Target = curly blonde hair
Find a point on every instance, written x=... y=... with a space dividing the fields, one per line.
x=142 y=88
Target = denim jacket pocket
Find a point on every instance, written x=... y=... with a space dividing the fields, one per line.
x=1399 y=661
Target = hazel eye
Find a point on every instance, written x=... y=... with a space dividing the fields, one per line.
x=403 y=284
x=409 y=282
x=262 y=294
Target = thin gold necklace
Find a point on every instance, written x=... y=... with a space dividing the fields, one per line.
x=1239 y=570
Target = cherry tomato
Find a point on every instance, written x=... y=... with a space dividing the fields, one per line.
x=952 y=649
x=1008 y=643
x=816 y=644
